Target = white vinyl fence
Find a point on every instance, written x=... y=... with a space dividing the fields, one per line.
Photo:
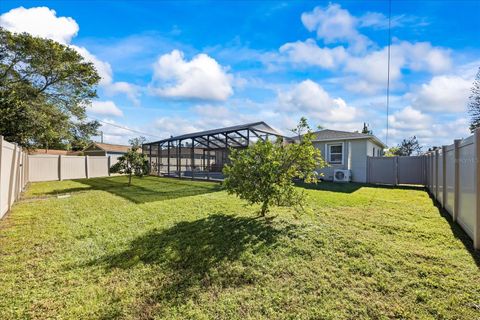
x=13 y=174
x=51 y=167
x=453 y=179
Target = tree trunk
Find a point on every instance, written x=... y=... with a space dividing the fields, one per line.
x=264 y=209
x=129 y=179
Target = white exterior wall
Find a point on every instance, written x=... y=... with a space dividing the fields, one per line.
x=354 y=157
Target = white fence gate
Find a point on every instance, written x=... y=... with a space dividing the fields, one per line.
x=396 y=170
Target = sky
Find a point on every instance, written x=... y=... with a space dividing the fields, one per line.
x=170 y=68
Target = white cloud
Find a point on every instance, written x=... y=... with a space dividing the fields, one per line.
x=446 y=93
x=130 y=90
x=43 y=22
x=372 y=68
x=174 y=126
x=105 y=108
x=334 y=24
x=310 y=98
x=200 y=78
x=431 y=130
x=103 y=68
x=40 y=21
x=408 y=119
x=309 y=53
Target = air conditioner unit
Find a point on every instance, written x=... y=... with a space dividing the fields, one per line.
x=341 y=175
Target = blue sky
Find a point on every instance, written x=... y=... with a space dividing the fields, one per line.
x=173 y=67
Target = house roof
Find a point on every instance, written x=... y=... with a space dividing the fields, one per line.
x=257 y=126
x=333 y=135
x=108 y=147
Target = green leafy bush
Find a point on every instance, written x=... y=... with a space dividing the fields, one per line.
x=264 y=173
x=133 y=162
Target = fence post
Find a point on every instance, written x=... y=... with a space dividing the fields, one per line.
x=60 y=167
x=436 y=174
x=456 y=190
x=17 y=174
x=476 y=226
x=444 y=176
x=86 y=167
x=396 y=170
x=109 y=164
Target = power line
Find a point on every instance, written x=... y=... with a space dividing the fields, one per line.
x=125 y=128
x=388 y=63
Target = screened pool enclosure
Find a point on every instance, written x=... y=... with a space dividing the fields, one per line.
x=202 y=155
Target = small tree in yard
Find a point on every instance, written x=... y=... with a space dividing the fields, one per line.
x=264 y=172
x=133 y=162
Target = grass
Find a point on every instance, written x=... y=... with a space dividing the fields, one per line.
x=170 y=249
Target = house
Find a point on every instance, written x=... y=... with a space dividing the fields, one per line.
x=106 y=149
x=347 y=150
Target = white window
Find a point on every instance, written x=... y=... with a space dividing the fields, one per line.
x=335 y=153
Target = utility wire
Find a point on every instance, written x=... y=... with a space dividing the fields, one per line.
x=125 y=128
x=388 y=63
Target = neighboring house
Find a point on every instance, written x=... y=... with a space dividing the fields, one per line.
x=55 y=152
x=106 y=149
x=347 y=150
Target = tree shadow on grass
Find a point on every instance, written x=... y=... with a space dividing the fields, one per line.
x=457 y=231
x=146 y=189
x=350 y=187
x=191 y=256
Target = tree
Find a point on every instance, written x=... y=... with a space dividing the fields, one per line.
x=264 y=172
x=474 y=104
x=392 y=152
x=44 y=90
x=133 y=162
x=407 y=147
x=366 y=130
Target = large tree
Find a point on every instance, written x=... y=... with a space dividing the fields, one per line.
x=44 y=90
x=474 y=104
x=264 y=172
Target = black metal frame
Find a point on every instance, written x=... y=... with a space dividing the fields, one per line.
x=211 y=145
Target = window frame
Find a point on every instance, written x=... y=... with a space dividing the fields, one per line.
x=329 y=152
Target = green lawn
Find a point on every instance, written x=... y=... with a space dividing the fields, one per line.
x=170 y=249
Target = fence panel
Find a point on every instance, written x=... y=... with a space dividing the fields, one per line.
x=73 y=167
x=381 y=170
x=43 y=167
x=467 y=195
x=97 y=167
x=449 y=203
x=12 y=174
x=440 y=177
x=411 y=170
x=51 y=167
